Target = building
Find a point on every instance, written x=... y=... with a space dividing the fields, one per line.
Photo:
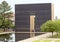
x=29 y=18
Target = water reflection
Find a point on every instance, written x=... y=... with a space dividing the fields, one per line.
x=7 y=38
x=13 y=38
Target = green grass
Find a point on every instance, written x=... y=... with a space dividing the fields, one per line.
x=42 y=41
x=37 y=41
x=46 y=40
x=57 y=40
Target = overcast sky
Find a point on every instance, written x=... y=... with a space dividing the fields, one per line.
x=55 y=2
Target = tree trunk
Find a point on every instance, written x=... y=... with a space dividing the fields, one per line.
x=4 y=29
x=52 y=34
x=57 y=33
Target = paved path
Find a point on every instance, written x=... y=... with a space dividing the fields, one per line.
x=43 y=36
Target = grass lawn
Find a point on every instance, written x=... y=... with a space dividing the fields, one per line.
x=57 y=40
x=37 y=41
x=46 y=40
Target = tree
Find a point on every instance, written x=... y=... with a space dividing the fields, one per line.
x=5 y=14
x=5 y=11
x=58 y=22
x=7 y=23
x=49 y=26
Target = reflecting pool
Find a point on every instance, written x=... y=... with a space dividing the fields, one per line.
x=12 y=36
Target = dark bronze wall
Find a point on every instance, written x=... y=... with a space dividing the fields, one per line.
x=42 y=13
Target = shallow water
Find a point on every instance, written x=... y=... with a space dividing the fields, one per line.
x=11 y=40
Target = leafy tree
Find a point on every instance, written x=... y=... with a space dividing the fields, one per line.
x=7 y=24
x=5 y=15
x=58 y=22
x=50 y=26
x=5 y=11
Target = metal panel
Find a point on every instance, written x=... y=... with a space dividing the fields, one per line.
x=23 y=12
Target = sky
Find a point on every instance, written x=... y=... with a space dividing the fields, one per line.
x=55 y=2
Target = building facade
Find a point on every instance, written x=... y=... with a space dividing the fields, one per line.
x=29 y=18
